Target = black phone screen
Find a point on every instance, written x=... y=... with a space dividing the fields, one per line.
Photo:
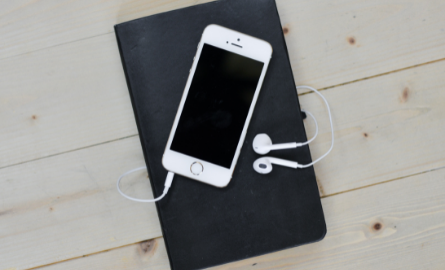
x=217 y=106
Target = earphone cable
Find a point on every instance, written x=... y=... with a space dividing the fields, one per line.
x=316 y=128
x=330 y=120
x=167 y=185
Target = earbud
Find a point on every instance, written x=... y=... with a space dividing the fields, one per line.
x=262 y=144
x=264 y=165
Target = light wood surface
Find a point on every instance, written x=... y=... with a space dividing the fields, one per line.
x=331 y=43
x=69 y=204
x=67 y=131
x=27 y=26
x=150 y=254
x=385 y=128
x=396 y=225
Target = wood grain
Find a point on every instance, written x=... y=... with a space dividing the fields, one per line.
x=67 y=206
x=63 y=98
x=150 y=254
x=395 y=225
x=27 y=26
x=90 y=216
x=340 y=41
x=385 y=128
x=329 y=43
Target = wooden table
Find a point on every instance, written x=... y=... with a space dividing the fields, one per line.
x=67 y=131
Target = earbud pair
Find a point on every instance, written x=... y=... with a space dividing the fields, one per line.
x=262 y=144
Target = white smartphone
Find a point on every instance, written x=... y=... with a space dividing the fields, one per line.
x=216 y=106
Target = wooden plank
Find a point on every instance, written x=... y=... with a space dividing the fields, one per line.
x=93 y=217
x=396 y=225
x=67 y=206
x=61 y=99
x=74 y=95
x=340 y=41
x=387 y=127
x=329 y=43
x=150 y=254
x=27 y=26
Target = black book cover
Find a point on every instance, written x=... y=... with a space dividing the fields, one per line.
x=255 y=214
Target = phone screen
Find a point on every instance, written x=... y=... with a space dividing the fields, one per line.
x=217 y=106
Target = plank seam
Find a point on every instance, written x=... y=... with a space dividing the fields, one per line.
x=94 y=253
x=382 y=182
x=375 y=76
x=69 y=151
x=55 y=45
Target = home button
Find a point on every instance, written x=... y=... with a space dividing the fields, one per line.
x=196 y=168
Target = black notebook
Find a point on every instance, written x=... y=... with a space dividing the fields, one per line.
x=255 y=214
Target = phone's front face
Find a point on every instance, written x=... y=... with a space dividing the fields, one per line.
x=217 y=105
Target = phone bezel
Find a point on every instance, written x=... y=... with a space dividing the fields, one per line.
x=223 y=38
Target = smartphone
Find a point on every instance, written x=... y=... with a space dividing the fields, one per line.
x=217 y=105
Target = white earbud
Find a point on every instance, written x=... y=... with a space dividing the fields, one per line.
x=264 y=165
x=262 y=144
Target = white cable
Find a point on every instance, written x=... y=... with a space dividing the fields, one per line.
x=316 y=129
x=167 y=185
x=332 y=126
